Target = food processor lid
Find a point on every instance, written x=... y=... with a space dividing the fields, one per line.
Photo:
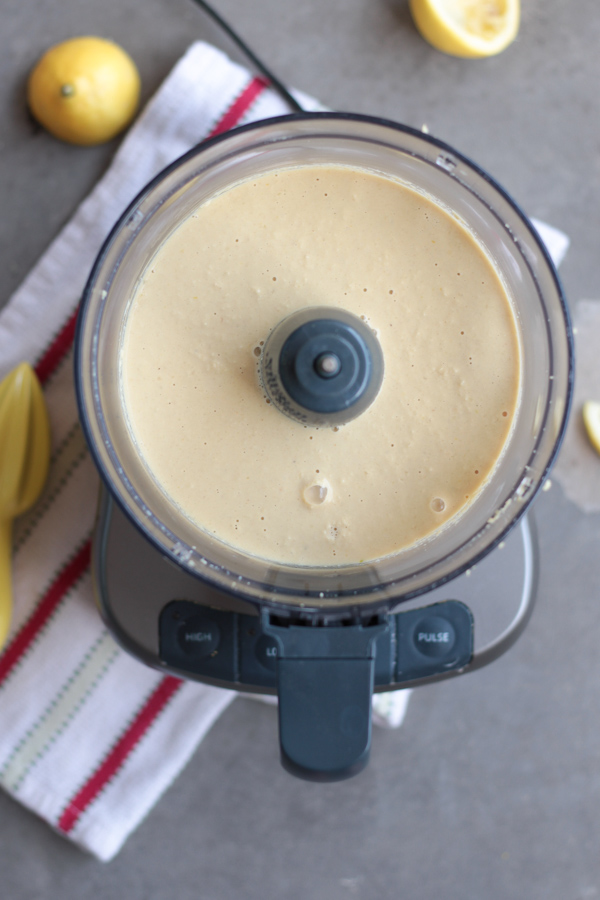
x=449 y=179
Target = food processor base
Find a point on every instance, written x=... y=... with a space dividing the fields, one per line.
x=173 y=620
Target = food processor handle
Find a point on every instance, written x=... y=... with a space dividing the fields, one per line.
x=325 y=678
x=325 y=716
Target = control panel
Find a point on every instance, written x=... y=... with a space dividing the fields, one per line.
x=242 y=651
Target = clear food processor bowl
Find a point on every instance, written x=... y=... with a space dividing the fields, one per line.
x=447 y=178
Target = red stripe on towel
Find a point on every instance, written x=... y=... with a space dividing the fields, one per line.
x=64 y=581
x=117 y=756
x=58 y=349
x=240 y=105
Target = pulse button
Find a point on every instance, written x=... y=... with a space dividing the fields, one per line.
x=198 y=636
x=434 y=636
x=433 y=640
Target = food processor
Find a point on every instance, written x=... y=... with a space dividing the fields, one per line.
x=321 y=638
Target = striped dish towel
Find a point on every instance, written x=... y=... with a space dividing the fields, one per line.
x=89 y=737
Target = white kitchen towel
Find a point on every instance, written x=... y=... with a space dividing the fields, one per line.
x=89 y=737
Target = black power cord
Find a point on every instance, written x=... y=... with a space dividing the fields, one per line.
x=274 y=82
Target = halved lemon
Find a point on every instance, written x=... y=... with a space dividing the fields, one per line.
x=467 y=28
x=591 y=420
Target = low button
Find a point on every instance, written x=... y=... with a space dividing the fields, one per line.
x=266 y=652
x=198 y=636
x=434 y=636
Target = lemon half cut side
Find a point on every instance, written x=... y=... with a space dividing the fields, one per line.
x=591 y=421
x=84 y=90
x=467 y=28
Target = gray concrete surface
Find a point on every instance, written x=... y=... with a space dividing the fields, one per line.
x=492 y=787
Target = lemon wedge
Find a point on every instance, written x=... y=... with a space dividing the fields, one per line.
x=591 y=420
x=467 y=28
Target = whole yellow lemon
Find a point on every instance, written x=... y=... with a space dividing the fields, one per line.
x=84 y=90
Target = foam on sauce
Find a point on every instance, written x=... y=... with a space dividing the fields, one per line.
x=260 y=481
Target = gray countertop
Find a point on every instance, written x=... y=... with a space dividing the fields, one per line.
x=491 y=788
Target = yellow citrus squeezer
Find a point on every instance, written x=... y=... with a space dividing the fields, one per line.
x=24 y=460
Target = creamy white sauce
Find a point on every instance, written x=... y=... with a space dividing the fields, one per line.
x=258 y=480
